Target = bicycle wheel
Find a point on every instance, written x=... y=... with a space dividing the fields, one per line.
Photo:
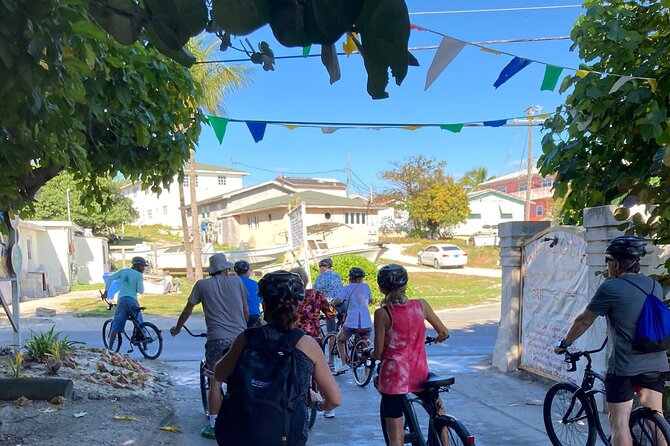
x=649 y=428
x=150 y=341
x=330 y=345
x=361 y=364
x=204 y=388
x=116 y=345
x=578 y=427
x=456 y=434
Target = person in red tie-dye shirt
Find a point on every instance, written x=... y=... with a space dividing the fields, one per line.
x=311 y=307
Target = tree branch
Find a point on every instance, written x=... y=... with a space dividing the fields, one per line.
x=30 y=184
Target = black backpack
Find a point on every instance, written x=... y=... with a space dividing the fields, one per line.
x=265 y=404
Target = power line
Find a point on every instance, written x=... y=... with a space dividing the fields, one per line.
x=470 y=11
x=283 y=172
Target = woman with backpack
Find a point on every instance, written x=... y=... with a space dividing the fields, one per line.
x=400 y=334
x=259 y=408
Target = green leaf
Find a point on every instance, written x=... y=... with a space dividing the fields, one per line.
x=87 y=29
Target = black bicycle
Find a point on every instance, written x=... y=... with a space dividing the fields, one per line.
x=146 y=336
x=571 y=413
x=424 y=426
x=204 y=374
x=355 y=347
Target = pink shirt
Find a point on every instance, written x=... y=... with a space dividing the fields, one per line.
x=404 y=364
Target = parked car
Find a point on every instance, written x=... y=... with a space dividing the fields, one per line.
x=443 y=255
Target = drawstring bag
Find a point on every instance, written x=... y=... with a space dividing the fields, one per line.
x=653 y=326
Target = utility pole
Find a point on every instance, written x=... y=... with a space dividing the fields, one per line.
x=348 y=174
x=195 y=223
x=530 y=111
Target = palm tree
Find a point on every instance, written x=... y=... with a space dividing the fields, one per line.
x=473 y=178
x=215 y=80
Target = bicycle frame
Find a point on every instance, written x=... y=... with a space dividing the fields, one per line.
x=429 y=401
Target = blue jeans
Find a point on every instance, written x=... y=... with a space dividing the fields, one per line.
x=126 y=306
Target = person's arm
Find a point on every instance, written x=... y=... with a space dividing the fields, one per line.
x=435 y=321
x=140 y=285
x=326 y=308
x=225 y=366
x=382 y=324
x=183 y=317
x=579 y=326
x=245 y=305
x=322 y=374
x=111 y=279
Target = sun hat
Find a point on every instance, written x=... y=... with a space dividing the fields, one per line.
x=218 y=262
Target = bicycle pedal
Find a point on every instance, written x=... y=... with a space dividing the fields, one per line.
x=131 y=350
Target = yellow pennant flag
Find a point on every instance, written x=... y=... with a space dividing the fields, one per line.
x=582 y=73
x=411 y=127
x=653 y=84
x=349 y=47
x=291 y=127
x=489 y=50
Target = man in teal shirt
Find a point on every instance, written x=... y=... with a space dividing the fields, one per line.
x=132 y=284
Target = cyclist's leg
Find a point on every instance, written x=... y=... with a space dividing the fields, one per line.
x=393 y=418
x=619 y=391
x=342 y=336
x=214 y=350
x=121 y=315
x=650 y=390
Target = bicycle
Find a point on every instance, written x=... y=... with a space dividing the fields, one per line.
x=428 y=404
x=146 y=336
x=571 y=413
x=355 y=347
x=205 y=375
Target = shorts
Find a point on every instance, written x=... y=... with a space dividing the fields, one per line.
x=620 y=389
x=125 y=307
x=253 y=321
x=347 y=332
x=214 y=350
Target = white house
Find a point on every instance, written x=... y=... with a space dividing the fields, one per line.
x=489 y=208
x=163 y=209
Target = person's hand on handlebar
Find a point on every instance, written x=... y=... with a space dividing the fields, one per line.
x=174 y=331
x=442 y=335
x=562 y=347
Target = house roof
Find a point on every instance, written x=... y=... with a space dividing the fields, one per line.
x=483 y=193
x=320 y=183
x=213 y=168
x=58 y=224
x=232 y=193
x=510 y=176
x=310 y=198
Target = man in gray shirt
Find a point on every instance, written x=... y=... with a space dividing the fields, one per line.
x=621 y=302
x=224 y=302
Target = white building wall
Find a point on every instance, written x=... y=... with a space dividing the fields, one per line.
x=91 y=254
x=53 y=252
x=489 y=208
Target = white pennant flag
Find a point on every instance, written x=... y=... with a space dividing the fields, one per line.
x=447 y=51
x=622 y=80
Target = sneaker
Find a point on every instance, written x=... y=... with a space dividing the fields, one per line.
x=342 y=369
x=208 y=432
x=329 y=413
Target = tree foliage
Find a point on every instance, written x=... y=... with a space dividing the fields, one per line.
x=611 y=147
x=383 y=26
x=474 y=177
x=75 y=100
x=51 y=203
x=420 y=187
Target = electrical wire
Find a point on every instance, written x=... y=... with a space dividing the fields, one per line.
x=470 y=11
x=283 y=172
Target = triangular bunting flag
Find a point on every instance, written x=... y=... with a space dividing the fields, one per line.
x=653 y=84
x=454 y=128
x=291 y=127
x=219 y=125
x=349 y=47
x=489 y=50
x=582 y=73
x=257 y=130
x=517 y=64
x=619 y=83
x=551 y=75
x=498 y=123
x=329 y=130
x=411 y=127
x=446 y=52
x=306 y=50
x=416 y=27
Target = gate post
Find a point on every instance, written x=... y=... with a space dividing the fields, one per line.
x=512 y=236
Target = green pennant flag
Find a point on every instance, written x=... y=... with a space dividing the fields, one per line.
x=219 y=125
x=454 y=128
x=306 y=50
x=551 y=75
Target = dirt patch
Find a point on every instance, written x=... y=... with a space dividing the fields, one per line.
x=117 y=401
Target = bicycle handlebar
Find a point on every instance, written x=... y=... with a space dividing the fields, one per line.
x=199 y=335
x=572 y=357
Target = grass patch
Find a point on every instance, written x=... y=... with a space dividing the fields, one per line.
x=478 y=256
x=88 y=287
x=451 y=290
x=150 y=233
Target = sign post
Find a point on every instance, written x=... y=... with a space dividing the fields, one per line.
x=297 y=239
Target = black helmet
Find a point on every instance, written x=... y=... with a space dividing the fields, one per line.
x=356 y=273
x=139 y=261
x=328 y=263
x=280 y=286
x=391 y=277
x=627 y=247
x=242 y=266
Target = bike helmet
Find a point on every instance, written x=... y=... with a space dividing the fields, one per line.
x=281 y=287
x=139 y=261
x=328 y=263
x=391 y=277
x=626 y=246
x=242 y=266
x=356 y=273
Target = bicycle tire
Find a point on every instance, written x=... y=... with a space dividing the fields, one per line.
x=337 y=361
x=204 y=388
x=580 y=429
x=458 y=434
x=410 y=435
x=116 y=346
x=151 y=337
x=362 y=366
x=648 y=426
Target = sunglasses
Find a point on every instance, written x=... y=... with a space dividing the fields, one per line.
x=609 y=259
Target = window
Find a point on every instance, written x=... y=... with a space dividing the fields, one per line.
x=363 y=218
x=475 y=216
x=187 y=181
x=328 y=215
x=164 y=210
x=358 y=218
x=249 y=222
x=346 y=218
x=256 y=221
x=29 y=248
x=502 y=188
x=352 y=218
x=269 y=217
x=222 y=181
x=523 y=186
x=149 y=213
x=539 y=210
x=504 y=215
x=196 y=180
x=547 y=182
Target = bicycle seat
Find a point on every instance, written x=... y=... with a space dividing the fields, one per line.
x=142 y=308
x=434 y=381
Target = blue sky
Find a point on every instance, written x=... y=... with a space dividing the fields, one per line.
x=298 y=90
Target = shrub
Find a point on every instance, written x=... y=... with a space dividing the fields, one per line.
x=343 y=263
x=42 y=345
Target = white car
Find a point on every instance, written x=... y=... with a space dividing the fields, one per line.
x=443 y=255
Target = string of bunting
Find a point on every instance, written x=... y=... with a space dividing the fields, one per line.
x=257 y=128
x=450 y=47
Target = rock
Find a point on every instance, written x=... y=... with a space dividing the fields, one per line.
x=95 y=396
x=77 y=395
x=58 y=400
x=44 y=312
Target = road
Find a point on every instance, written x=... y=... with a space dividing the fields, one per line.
x=497 y=408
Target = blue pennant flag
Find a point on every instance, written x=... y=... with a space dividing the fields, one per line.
x=498 y=123
x=517 y=64
x=257 y=130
